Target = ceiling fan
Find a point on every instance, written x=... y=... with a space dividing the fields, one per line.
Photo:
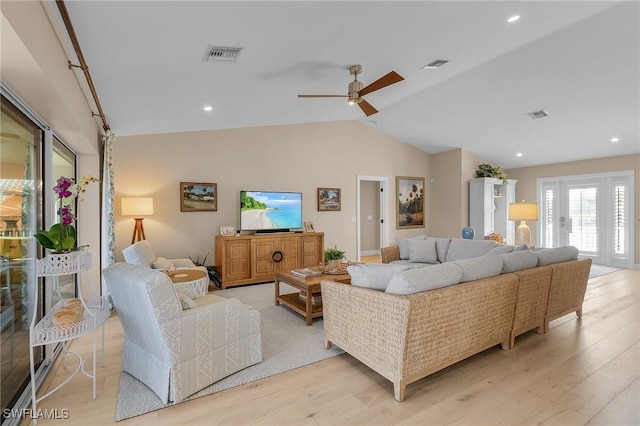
x=356 y=91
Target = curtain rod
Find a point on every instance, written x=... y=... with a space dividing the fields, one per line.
x=83 y=65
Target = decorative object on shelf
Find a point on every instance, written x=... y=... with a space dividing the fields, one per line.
x=61 y=237
x=329 y=199
x=198 y=197
x=468 y=233
x=487 y=170
x=308 y=227
x=523 y=212
x=410 y=197
x=137 y=207
x=340 y=268
x=227 y=230
x=494 y=236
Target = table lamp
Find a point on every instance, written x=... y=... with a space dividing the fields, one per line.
x=137 y=207
x=523 y=212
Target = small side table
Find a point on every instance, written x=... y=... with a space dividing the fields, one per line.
x=195 y=278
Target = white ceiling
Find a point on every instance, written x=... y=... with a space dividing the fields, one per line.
x=578 y=60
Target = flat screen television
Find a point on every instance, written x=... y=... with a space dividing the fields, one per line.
x=270 y=211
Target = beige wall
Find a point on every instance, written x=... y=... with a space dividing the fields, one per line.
x=279 y=158
x=449 y=182
x=34 y=65
x=527 y=179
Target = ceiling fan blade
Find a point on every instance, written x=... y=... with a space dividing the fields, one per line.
x=323 y=96
x=367 y=108
x=384 y=81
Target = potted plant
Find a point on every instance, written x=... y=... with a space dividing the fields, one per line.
x=487 y=170
x=333 y=255
x=61 y=237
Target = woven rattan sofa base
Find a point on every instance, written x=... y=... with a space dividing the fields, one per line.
x=406 y=338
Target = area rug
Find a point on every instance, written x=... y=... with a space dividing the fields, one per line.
x=598 y=270
x=287 y=343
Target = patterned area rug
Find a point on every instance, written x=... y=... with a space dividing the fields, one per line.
x=287 y=343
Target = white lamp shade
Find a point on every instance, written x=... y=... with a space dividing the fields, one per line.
x=523 y=211
x=139 y=206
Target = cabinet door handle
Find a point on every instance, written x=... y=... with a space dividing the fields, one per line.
x=277 y=256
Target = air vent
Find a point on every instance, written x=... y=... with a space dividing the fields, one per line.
x=538 y=114
x=221 y=54
x=435 y=64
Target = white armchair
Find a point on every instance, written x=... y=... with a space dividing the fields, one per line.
x=177 y=352
x=142 y=254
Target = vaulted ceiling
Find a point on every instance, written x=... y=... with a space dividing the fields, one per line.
x=577 y=60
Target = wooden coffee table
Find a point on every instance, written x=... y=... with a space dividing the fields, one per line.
x=310 y=286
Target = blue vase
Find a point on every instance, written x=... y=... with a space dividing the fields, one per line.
x=468 y=233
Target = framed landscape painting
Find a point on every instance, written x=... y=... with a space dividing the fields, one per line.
x=198 y=197
x=410 y=202
x=328 y=199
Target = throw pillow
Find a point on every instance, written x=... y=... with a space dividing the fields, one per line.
x=442 y=245
x=466 y=249
x=188 y=291
x=423 y=251
x=186 y=302
x=161 y=263
x=374 y=275
x=479 y=267
x=403 y=245
x=557 y=254
x=423 y=279
x=501 y=249
x=518 y=260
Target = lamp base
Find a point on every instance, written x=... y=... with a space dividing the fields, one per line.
x=138 y=231
x=523 y=234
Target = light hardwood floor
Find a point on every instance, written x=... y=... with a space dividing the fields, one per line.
x=581 y=372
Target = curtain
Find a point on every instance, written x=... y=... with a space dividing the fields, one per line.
x=108 y=236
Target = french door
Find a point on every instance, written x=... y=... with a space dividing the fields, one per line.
x=592 y=213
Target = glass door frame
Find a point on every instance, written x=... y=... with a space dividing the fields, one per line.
x=605 y=202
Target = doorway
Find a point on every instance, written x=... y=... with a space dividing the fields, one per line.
x=591 y=212
x=371 y=213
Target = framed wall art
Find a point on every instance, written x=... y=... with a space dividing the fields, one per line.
x=198 y=197
x=227 y=230
x=308 y=227
x=410 y=202
x=329 y=199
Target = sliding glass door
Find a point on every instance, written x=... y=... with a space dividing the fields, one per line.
x=21 y=142
x=592 y=213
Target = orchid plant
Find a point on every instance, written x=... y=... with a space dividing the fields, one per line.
x=61 y=237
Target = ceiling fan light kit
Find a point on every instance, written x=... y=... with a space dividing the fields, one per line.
x=356 y=92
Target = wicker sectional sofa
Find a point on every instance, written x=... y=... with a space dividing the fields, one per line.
x=405 y=337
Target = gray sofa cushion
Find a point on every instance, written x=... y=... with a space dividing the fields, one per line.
x=501 y=249
x=466 y=249
x=418 y=280
x=403 y=246
x=422 y=251
x=479 y=267
x=518 y=260
x=375 y=275
x=557 y=254
x=442 y=246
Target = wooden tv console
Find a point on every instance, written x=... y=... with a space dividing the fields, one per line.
x=250 y=259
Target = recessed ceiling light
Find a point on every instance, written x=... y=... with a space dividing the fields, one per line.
x=514 y=18
x=519 y=154
x=208 y=108
x=615 y=139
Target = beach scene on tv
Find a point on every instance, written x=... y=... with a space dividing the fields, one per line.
x=270 y=210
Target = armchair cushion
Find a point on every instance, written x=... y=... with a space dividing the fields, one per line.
x=162 y=263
